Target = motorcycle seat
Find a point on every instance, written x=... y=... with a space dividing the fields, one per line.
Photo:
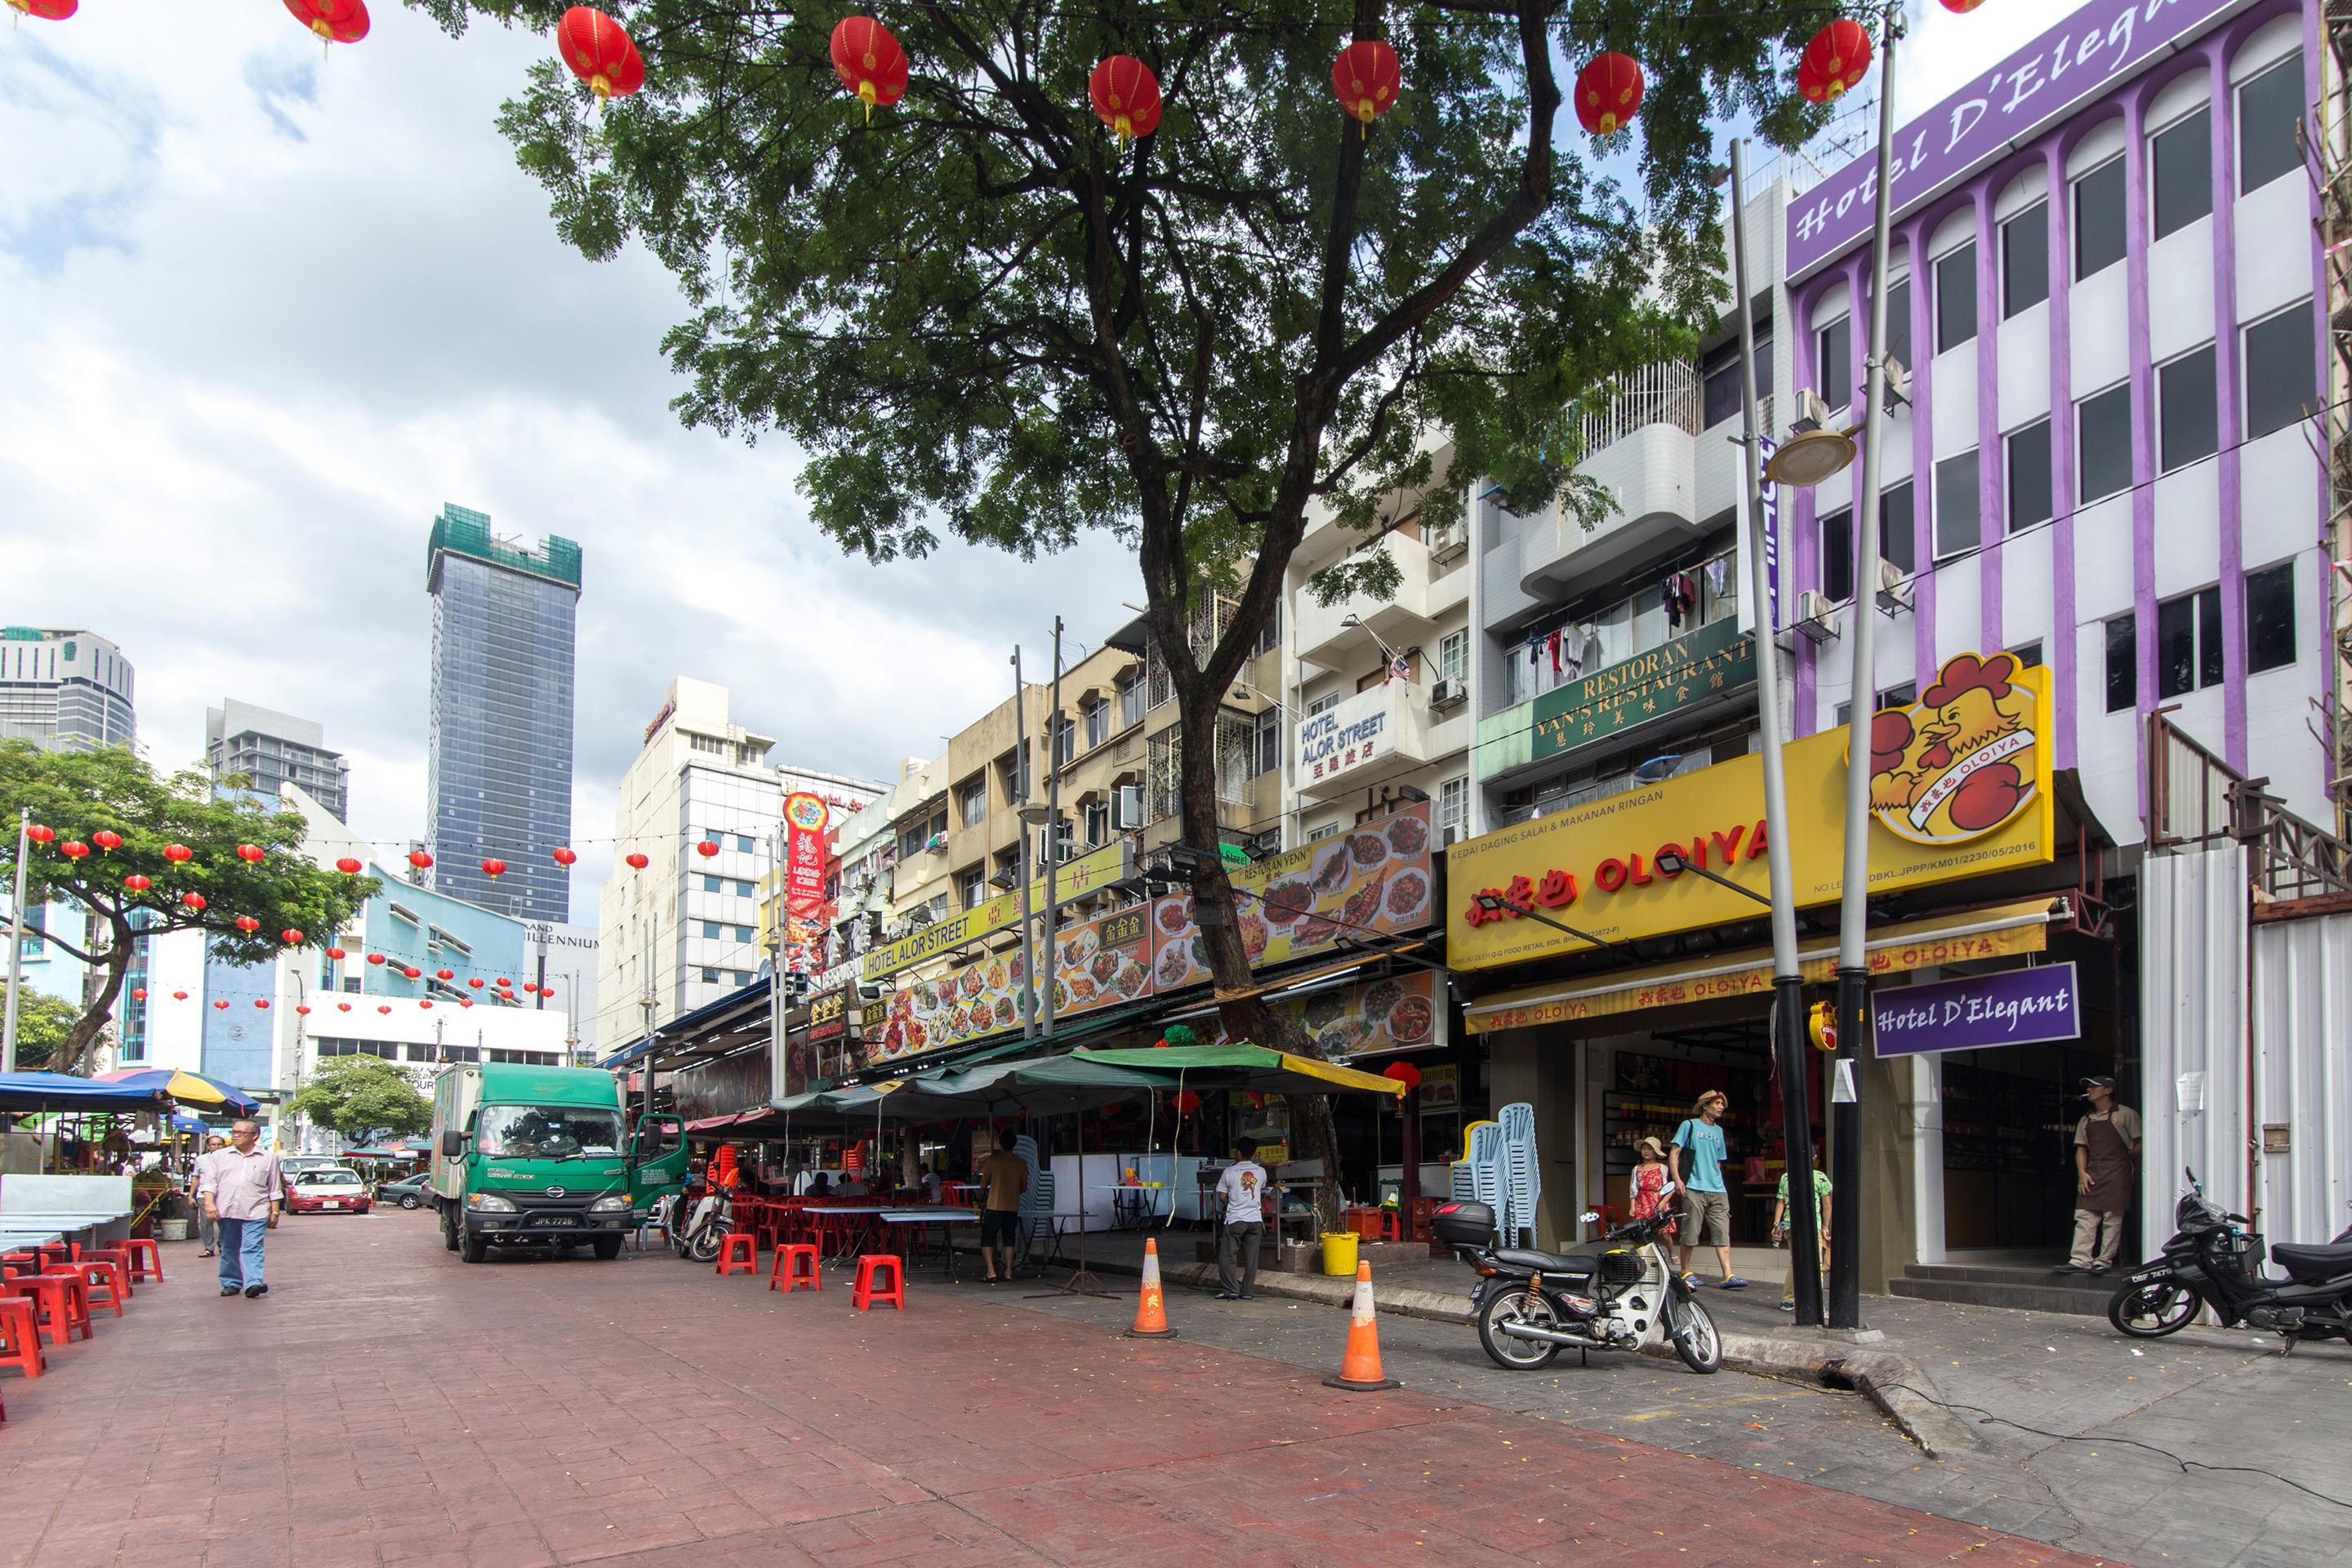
x=1546 y=1262
x=2313 y=1263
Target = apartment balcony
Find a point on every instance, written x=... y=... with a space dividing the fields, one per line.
x=1363 y=737
x=1642 y=449
x=1323 y=637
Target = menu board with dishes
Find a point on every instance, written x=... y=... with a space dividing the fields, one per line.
x=1098 y=964
x=1374 y=880
x=1398 y=1013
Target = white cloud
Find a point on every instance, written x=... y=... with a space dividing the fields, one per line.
x=266 y=313
x=1946 y=50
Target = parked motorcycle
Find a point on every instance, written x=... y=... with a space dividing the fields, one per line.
x=1532 y=1305
x=699 y=1222
x=2215 y=1259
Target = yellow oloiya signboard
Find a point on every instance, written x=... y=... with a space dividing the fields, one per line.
x=1087 y=874
x=1959 y=787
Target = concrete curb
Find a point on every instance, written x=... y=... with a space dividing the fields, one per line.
x=1881 y=1374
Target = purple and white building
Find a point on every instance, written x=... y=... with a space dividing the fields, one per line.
x=2108 y=288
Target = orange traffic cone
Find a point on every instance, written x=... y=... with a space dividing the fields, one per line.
x=1360 y=1369
x=1151 y=1309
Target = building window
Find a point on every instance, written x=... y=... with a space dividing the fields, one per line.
x=742 y=934
x=2099 y=219
x=1096 y=816
x=2122 y=664
x=1718 y=371
x=1065 y=741
x=1318 y=835
x=1837 y=554
x=2270 y=123
x=1454 y=656
x=1131 y=702
x=1898 y=319
x=2028 y=458
x=2029 y=656
x=971 y=801
x=710 y=977
x=1320 y=703
x=743 y=843
x=2180 y=158
x=2103 y=444
x=1956 y=297
x=1269 y=637
x=710 y=929
x=742 y=890
x=2025 y=260
x=2187 y=420
x=1956 y=520
x=975 y=888
x=1453 y=810
x=2278 y=374
x=1896 y=526
x=714 y=884
x=2188 y=643
x=2270 y=618
x=1836 y=361
x=1097 y=714
x=1266 y=752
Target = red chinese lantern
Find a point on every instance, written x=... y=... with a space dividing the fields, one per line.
x=870 y=62
x=176 y=853
x=106 y=839
x=706 y=849
x=1961 y=8
x=563 y=858
x=1126 y=96
x=302 y=1008
x=465 y=1001
x=445 y=974
x=1838 y=57
x=636 y=862
x=1366 y=78
x=193 y=900
x=1608 y=92
x=412 y=972
x=222 y=1005
x=1404 y=1073
x=528 y=989
x=427 y=1005
x=335 y=21
x=179 y=996
x=138 y=994
x=375 y=958
x=48 y=10
x=336 y=954
x=250 y=854
x=342 y=1006
x=137 y=883
x=262 y=1003
x=383 y=1007
x=247 y=924
x=40 y=835
x=494 y=869
x=1187 y=1103
x=290 y=937
x=420 y=859
x=73 y=849
x=504 y=983
x=598 y=53
x=348 y=866
x=476 y=983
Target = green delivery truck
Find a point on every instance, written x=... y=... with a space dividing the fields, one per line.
x=537 y=1156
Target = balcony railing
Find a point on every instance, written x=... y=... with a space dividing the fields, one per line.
x=2194 y=797
x=1663 y=394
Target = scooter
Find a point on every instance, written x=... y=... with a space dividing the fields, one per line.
x=1532 y=1305
x=708 y=1220
x=2215 y=1259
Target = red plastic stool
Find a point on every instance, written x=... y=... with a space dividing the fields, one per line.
x=20 y=1335
x=54 y=1297
x=786 y=1274
x=102 y=1283
x=118 y=1255
x=738 y=1258
x=146 y=1258
x=866 y=1293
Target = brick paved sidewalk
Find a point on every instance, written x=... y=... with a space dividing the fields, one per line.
x=386 y=1403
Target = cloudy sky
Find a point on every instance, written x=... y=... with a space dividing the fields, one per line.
x=265 y=312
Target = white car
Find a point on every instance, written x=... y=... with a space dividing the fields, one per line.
x=332 y=1189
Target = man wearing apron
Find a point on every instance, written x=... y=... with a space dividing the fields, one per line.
x=2106 y=1148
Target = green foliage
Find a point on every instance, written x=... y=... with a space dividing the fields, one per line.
x=79 y=793
x=43 y=1023
x=362 y=1097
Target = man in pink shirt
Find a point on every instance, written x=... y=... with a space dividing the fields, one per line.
x=241 y=1189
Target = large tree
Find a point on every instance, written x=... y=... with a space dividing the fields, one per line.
x=982 y=314
x=79 y=794
x=362 y=1097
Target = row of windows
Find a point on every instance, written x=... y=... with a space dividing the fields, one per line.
x=2188 y=643
x=731 y=976
x=734 y=885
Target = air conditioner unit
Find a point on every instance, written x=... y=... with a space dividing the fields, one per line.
x=1816 y=616
x=1447 y=693
x=1448 y=546
x=1127 y=808
x=1893 y=587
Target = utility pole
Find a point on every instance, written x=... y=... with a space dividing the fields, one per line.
x=1854 y=904
x=1021 y=866
x=775 y=942
x=15 y=944
x=1052 y=828
x=1788 y=977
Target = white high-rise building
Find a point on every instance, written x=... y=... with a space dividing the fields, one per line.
x=68 y=690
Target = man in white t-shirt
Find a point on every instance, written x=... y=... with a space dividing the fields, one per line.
x=1243 y=1187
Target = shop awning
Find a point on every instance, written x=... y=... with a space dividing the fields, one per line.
x=1243 y=1066
x=61 y=1091
x=1960 y=938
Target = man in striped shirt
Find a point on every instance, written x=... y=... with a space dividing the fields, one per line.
x=241 y=1189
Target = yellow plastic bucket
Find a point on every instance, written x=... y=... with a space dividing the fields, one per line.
x=1340 y=1253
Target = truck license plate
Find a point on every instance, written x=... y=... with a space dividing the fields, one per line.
x=555 y=1221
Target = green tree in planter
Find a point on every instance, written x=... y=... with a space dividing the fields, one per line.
x=80 y=794
x=362 y=1097
x=982 y=314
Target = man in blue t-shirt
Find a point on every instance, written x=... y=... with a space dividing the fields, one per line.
x=1696 y=1162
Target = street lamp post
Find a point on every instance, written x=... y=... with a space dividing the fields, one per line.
x=15 y=944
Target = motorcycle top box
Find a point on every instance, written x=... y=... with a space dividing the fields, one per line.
x=1463 y=1223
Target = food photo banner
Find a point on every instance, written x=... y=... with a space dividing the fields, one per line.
x=1089 y=874
x=1373 y=880
x=1098 y=964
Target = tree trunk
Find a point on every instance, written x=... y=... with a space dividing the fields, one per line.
x=1245 y=1018
x=79 y=1051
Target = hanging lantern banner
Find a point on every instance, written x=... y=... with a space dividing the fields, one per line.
x=806 y=816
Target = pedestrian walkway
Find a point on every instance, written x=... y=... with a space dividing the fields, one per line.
x=389 y=1404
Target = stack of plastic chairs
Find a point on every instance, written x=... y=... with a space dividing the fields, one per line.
x=1479 y=1176
x=1522 y=1171
x=1037 y=1199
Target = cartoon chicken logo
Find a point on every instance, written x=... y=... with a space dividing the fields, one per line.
x=1961 y=761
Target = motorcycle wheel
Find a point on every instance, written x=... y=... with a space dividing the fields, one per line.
x=1695 y=1338
x=703 y=1245
x=1506 y=1351
x=2152 y=1311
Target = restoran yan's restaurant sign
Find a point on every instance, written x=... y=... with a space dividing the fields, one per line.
x=1959 y=787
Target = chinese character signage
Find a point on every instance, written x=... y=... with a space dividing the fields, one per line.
x=1350 y=733
x=806 y=816
x=1716 y=658
x=1373 y=881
